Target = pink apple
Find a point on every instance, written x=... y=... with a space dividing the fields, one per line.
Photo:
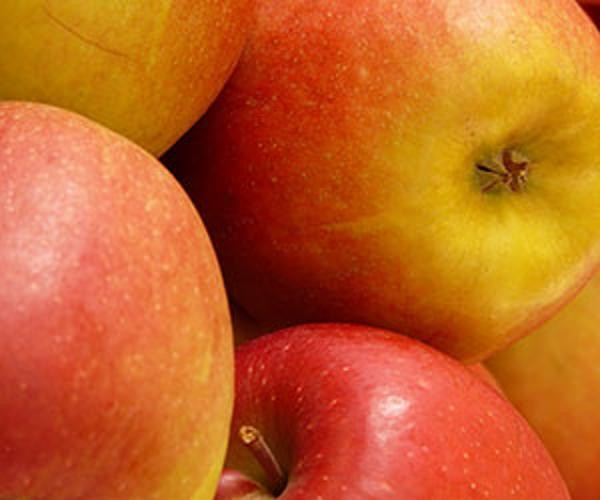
x=335 y=411
x=115 y=341
x=424 y=166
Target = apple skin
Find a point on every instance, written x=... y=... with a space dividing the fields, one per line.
x=235 y=485
x=246 y=328
x=337 y=176
x=553 y=377
x=358 y=413
x=145 y=68
x=483 y=373
x=116 y=357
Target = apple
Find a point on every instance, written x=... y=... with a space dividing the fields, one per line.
x=145 y=68
x=553 y=377
x=483 y=373
x=235 y=485
x=246 y=328
x=116 y=358
x=337 y=411
x=428 y=167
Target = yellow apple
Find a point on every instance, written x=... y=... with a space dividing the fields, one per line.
x=145 y=68
x=553 y=377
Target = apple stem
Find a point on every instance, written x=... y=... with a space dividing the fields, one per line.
x=255 y=442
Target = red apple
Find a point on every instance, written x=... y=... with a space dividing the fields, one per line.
x=553 y=377
x=235 y=485
x=347 y=412
x=115 y=341
x=429 y=167
x=483 y=373
x=145 y=68
x=246 y=328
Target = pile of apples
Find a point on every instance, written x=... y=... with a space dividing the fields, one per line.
x=391 y=207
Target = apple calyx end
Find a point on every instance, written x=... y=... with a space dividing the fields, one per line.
x=506 y=171
x=252 y=438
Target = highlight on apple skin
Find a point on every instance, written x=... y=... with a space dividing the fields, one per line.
x=147 y=69
x=116 y=357
x=427 y=167
x=336 y=411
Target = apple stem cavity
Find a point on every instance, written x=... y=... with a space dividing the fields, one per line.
x=507 y=172
x=255 y=442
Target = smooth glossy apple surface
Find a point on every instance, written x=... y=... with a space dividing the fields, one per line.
x=429 y=167
x=351 y=412
x=145 y=68
x=116 y=351
x=553 y=377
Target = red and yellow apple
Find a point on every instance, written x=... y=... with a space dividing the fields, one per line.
x=145 y=68
x=348 y=412
x=428 y=167
x=116 y=359
x=553 y=377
